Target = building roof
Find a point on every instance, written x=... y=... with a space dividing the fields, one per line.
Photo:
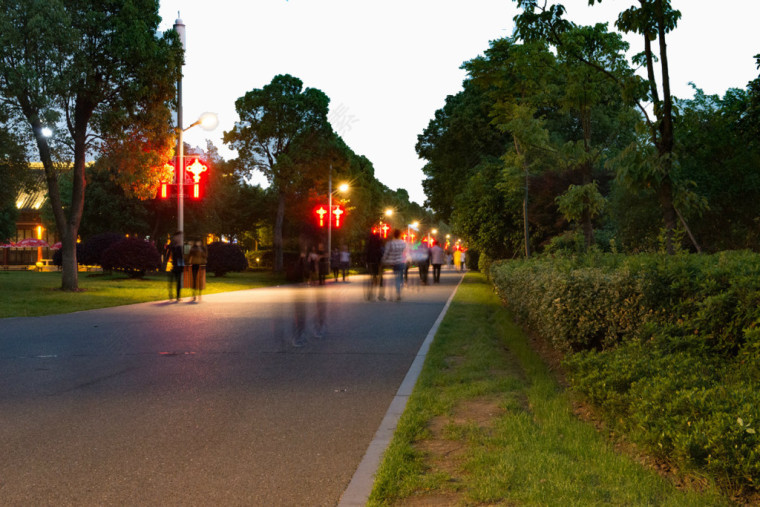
x=34 y=196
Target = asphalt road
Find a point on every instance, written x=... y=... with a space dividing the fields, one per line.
x=192 y=404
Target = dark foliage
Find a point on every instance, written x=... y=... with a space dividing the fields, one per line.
x=133 y=256
x=94 y=248
x=224 y=258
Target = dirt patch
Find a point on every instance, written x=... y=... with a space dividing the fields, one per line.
x=481 y=412
x=437 y=500
x=442 y=454
x=447 y=455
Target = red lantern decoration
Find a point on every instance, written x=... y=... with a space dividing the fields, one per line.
x=338 y=212
x=321 y=211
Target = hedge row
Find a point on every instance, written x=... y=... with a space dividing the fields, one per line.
x=668 y=347
x=136 y=257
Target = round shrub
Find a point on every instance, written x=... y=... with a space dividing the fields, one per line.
x=95 y=246
x=133 y=256
x=224 y=258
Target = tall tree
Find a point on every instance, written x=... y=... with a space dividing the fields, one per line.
x=284 y=133
x=13 y=174
x=455 y=142
x=653 y=20
x=86 y=69
x=599 y=118
x=517 y=77
x=719 y=151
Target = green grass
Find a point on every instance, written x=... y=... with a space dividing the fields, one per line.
x=28 y=293
x=531 y=451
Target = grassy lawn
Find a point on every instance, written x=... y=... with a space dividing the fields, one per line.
x=488 y=424
x=29 y=293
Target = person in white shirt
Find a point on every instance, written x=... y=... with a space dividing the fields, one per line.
x=395 y=256
x=437 y=258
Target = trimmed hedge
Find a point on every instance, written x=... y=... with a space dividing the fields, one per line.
x=667 y=346
x=132 y=256
x=95 y=246
x=224 y=258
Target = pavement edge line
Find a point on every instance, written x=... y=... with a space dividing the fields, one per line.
x=358 y=490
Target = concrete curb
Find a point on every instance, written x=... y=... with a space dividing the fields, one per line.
x=358 y=490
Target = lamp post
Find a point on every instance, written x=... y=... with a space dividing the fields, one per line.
x=207 y=121
x=343 y=188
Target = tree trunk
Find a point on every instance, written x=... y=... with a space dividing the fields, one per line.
x=277 y=240
x=69 y=267
x=70 y=275
x=665 y=195
x=588 y=228
x=587 y=175
x=526 y=231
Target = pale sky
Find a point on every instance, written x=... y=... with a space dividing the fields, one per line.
x=388 y=65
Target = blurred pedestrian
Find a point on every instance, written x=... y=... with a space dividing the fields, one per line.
x=177 y=257
x=374 y=266
x=463 y=261
x=322 y=265
x=335 y=263
x=395 y=256
x=197 y=259
x=345 y=261
x=437 y=258
x=313 y=265
x=421 y=256
x=302 y=274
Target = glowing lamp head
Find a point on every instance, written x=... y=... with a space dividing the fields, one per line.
x=208 y=121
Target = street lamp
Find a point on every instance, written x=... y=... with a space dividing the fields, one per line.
x=207 y=121
x=343 y=187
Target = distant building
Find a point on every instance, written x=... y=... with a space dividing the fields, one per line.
x=29 y=224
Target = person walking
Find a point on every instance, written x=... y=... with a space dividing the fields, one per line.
x=302 y=274
x=322 y=265
x=345 y=261
x=313 y=263
x=374 y=266
x=197 y=259
x=177 y=257
x=395 y=256
x=437 y=258
x=421 y=256
x=335 y=263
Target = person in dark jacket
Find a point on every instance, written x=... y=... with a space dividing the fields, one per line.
x=177 y=257
x=374 y=268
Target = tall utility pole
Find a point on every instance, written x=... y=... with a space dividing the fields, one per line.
x=179 y=27
x=329 y=219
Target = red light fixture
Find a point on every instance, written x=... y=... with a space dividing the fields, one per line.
x=338 y=212
x=321 y=212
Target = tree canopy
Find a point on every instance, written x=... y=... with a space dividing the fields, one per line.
x=96 y=74
x=284 y=133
